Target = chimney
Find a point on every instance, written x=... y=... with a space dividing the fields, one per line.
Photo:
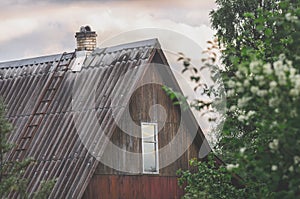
x=86 y=39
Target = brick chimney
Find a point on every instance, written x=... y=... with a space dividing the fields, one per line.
x=86 y=39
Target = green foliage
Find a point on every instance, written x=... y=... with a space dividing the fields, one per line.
x=267 y=28
x=11 y=173
x=212 y=93
x=208 y=181
x=46 y=187
x=176 y=97
x=261 y=136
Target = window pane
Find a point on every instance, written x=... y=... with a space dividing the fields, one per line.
x=149 y=157
x=148 y=132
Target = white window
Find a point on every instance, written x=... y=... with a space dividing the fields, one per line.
x=150 y=147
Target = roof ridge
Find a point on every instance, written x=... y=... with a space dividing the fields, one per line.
x=153 y=43
x=141 y=43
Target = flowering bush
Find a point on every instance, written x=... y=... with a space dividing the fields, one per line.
x=264 y=126
x=209 y=181
x=260 y=140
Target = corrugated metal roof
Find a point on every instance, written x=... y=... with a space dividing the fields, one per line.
x=57 y=146
x=31 y=61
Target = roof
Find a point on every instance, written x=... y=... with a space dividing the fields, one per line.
x=56 y=145
x=51 y=107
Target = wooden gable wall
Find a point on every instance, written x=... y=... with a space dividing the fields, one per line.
x=111 y=183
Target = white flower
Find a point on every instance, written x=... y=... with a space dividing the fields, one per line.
x=231 y=84
x=281 y=57
x=261 y=83
x=274 y=167
x=289 y=63
x=285 y=68
x=278 y=66
x=259 y=77
x=267 y=68
x=281 y=78
x=274 y=144
x=262 y=93
x=293 y=113
x=240 y=89
x=288 y=15
x=296 y=81
x=238 y=74
x=280 y=71
x=242 y=118
x=292 y=73
x=250 y=77
x=296 y=159
x=243 y=101
x=230 y=93
x=273 y=102
x=232 y=108
x=291 y=18
x=250 y=113
x=274 y=123
x=254 y=66
x=254 y=89
x=273 y=85
x=291 y=168
x=294 y=92
x=239 y=84
x=246 y=83
x=242 y=150
x=229 y=167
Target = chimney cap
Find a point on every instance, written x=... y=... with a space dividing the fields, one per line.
x=85 y=29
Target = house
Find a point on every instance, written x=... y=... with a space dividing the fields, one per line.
x=98 y=121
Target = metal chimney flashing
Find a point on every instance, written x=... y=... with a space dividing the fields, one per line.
x=78 y=63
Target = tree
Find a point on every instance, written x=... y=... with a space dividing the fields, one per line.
x=261 y=136
x=11 y=173
x=266 y=27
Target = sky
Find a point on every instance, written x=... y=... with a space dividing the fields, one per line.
x=31 y=28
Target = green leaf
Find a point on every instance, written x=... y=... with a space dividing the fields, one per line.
x=268 y=32
x=186 y=63
x=180 y=58
x=195 y=78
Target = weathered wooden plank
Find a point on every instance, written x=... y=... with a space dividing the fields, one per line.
x=128 y=187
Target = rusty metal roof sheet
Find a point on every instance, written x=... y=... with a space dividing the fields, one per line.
x=57 y=145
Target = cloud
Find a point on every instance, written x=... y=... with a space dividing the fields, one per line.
x=11 y=28
x=51 y=28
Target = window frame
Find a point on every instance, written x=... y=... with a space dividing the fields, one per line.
x=156 y=147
